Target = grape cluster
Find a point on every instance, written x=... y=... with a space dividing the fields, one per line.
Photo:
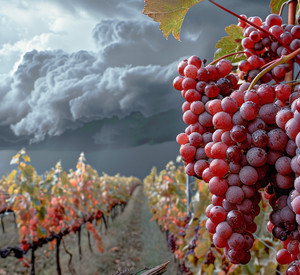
x=172 y=242
x=264 y=42
x=284 y=220
x=240 y=141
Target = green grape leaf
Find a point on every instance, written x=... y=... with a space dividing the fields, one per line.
x=28 y=171
x=275 y=5
x=42 y=211
x=169 y=13
x=231 y=44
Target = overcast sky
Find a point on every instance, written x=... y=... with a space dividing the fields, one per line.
x=96 y=76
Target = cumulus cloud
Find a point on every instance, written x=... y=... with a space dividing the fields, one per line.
x=53 y=91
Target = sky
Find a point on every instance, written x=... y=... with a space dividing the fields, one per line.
x=95 y=76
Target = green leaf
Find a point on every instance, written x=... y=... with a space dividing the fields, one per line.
x=230 y=44
x=28 y=187
x=29 y=171
x=42 y=213
x=169 y=13
x=275 y=5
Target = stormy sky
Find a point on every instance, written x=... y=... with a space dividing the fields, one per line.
x=96 y=76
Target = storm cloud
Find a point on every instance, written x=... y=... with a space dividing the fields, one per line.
x=129 y=75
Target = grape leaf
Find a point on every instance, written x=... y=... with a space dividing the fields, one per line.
x=26 y=158
x=12 y=175
x=275 y=5
x=169 y=13
x=173 y=229
x=203 y=246
x=231 y=44
x=208 y=268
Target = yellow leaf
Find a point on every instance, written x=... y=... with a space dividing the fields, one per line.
x=12 y=175
x=191 y=258
x=190 y=232
x=173 y=229
x=200 y=206
x=209 y=269
x=169 y=13
x=270 y=268
x=11 y=188
x=26 y=158
x=203 y=246
x=64 y=178
x=275 y=5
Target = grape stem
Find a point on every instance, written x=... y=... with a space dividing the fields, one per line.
x=283 y=5
x=291 y=20
x=294 y=82
x=282 y=60
x=224 y=56
x=268 y=64
x=248 y=22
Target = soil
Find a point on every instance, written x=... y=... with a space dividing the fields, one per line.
x=132 y=242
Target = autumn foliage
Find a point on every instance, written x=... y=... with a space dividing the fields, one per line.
x=57 y=203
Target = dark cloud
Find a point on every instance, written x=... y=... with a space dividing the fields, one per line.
x=103 y=8
x=141 y=43
x=52 y=92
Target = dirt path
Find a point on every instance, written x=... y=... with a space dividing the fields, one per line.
x=135 y=241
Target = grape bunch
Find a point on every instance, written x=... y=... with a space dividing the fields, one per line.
x=265 y=42
x=241 y=141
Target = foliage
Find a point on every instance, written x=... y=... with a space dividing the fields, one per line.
x=230 y=44
x=275 y=5
x=169 y=14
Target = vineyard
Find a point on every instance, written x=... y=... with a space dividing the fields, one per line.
x=230 y=204
x=49 y=207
